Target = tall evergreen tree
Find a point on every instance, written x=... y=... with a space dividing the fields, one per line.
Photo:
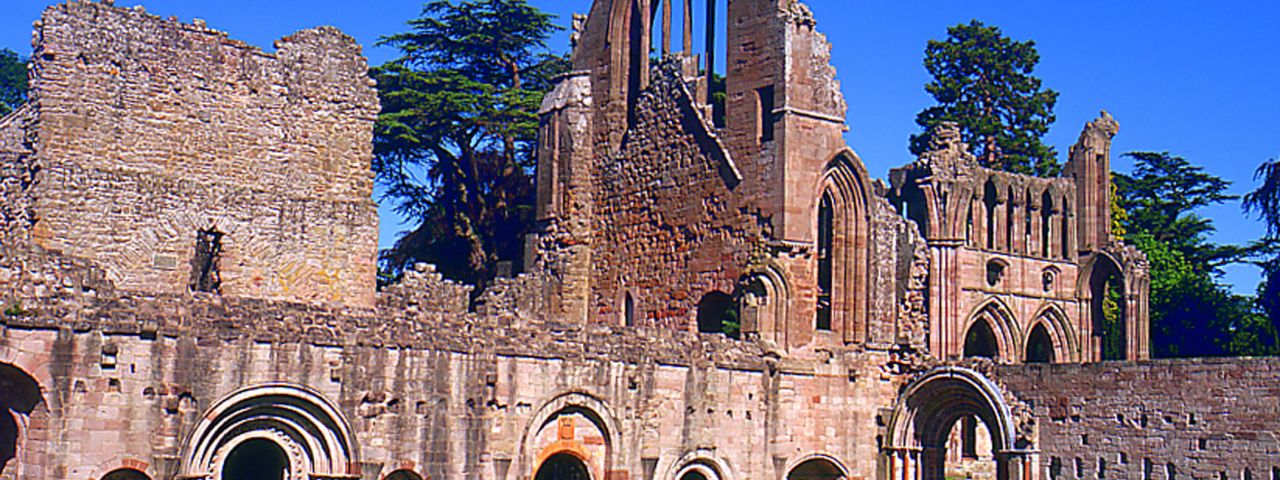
x=1265 y=202
x=13 y=81
x=1191 y=313
x=1161 y=198
x=983 y=81
x=454 y=145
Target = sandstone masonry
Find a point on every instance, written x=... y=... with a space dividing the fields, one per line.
x=187 y=270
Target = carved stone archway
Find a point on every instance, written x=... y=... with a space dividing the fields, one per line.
x=315 y=438
x=917 y=433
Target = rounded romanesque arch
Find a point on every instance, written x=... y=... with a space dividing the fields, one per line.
x=817 y=467
x=766 y=299
x=126 y=474
x=926 y=412
x=573 y=424
x=993 y=322
x=565 y=465
x=403 y=474
x=289 y=427
x=697 y=465
x=20 y=397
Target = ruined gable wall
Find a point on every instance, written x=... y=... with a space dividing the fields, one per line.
x=151 y=130
x=1208 y=418
x=669 y=227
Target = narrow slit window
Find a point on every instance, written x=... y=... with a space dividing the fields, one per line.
x=629 y=310
x=1046 y=223
x=767 y=120
x=826 y=215
x=205 y=276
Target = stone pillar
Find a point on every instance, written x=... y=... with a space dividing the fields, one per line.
x=666 y=27
x=1090 y=165
x=1015 y=465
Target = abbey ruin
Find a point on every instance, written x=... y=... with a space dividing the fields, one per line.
x=188 y=274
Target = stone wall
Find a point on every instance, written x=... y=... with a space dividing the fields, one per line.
x=151 y=130
x=670 y=227
x=431 y=388
x=18 y=165
x=1204 y=419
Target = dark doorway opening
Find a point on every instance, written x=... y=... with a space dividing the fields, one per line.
x=19 y=396
x=403 y=475
x=717 y=314
x=980 y=341
x=816 y=469
x=257 y=459
x=1039 y=346
x=205 y=276
x=127 y=474
x=562 y=466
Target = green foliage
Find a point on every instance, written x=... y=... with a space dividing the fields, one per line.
x=1161 y=198
x=718 y=97
x=16 y=310
x=983 y=81
x=1265 y=201
x=1113 y=346
x=1191 y=314
x=455 y=143
x=1119 y=216
x=731 y=324
x=13 y=81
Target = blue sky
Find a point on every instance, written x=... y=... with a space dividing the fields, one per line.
x=1198 y=79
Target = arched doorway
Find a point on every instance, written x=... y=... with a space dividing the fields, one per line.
x=562 y=466
x=127 y=474
x=1108 y=308
x=574 y=424
x=19 y=396
x=816 y=469
x=262 y=431
x=256 y=459
x=699 y=468
x=1039 y=346
x=403 y=475
x=981 y=341
x=931 y=407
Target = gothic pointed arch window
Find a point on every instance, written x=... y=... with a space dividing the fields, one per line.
x=1046 y=224
x=980 y=341
x=1039 y=346
x=1065 y=231
x=989 y=202
x=1009 y=223
x=826 y=240
x=628 y=310
x=1027 y=228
